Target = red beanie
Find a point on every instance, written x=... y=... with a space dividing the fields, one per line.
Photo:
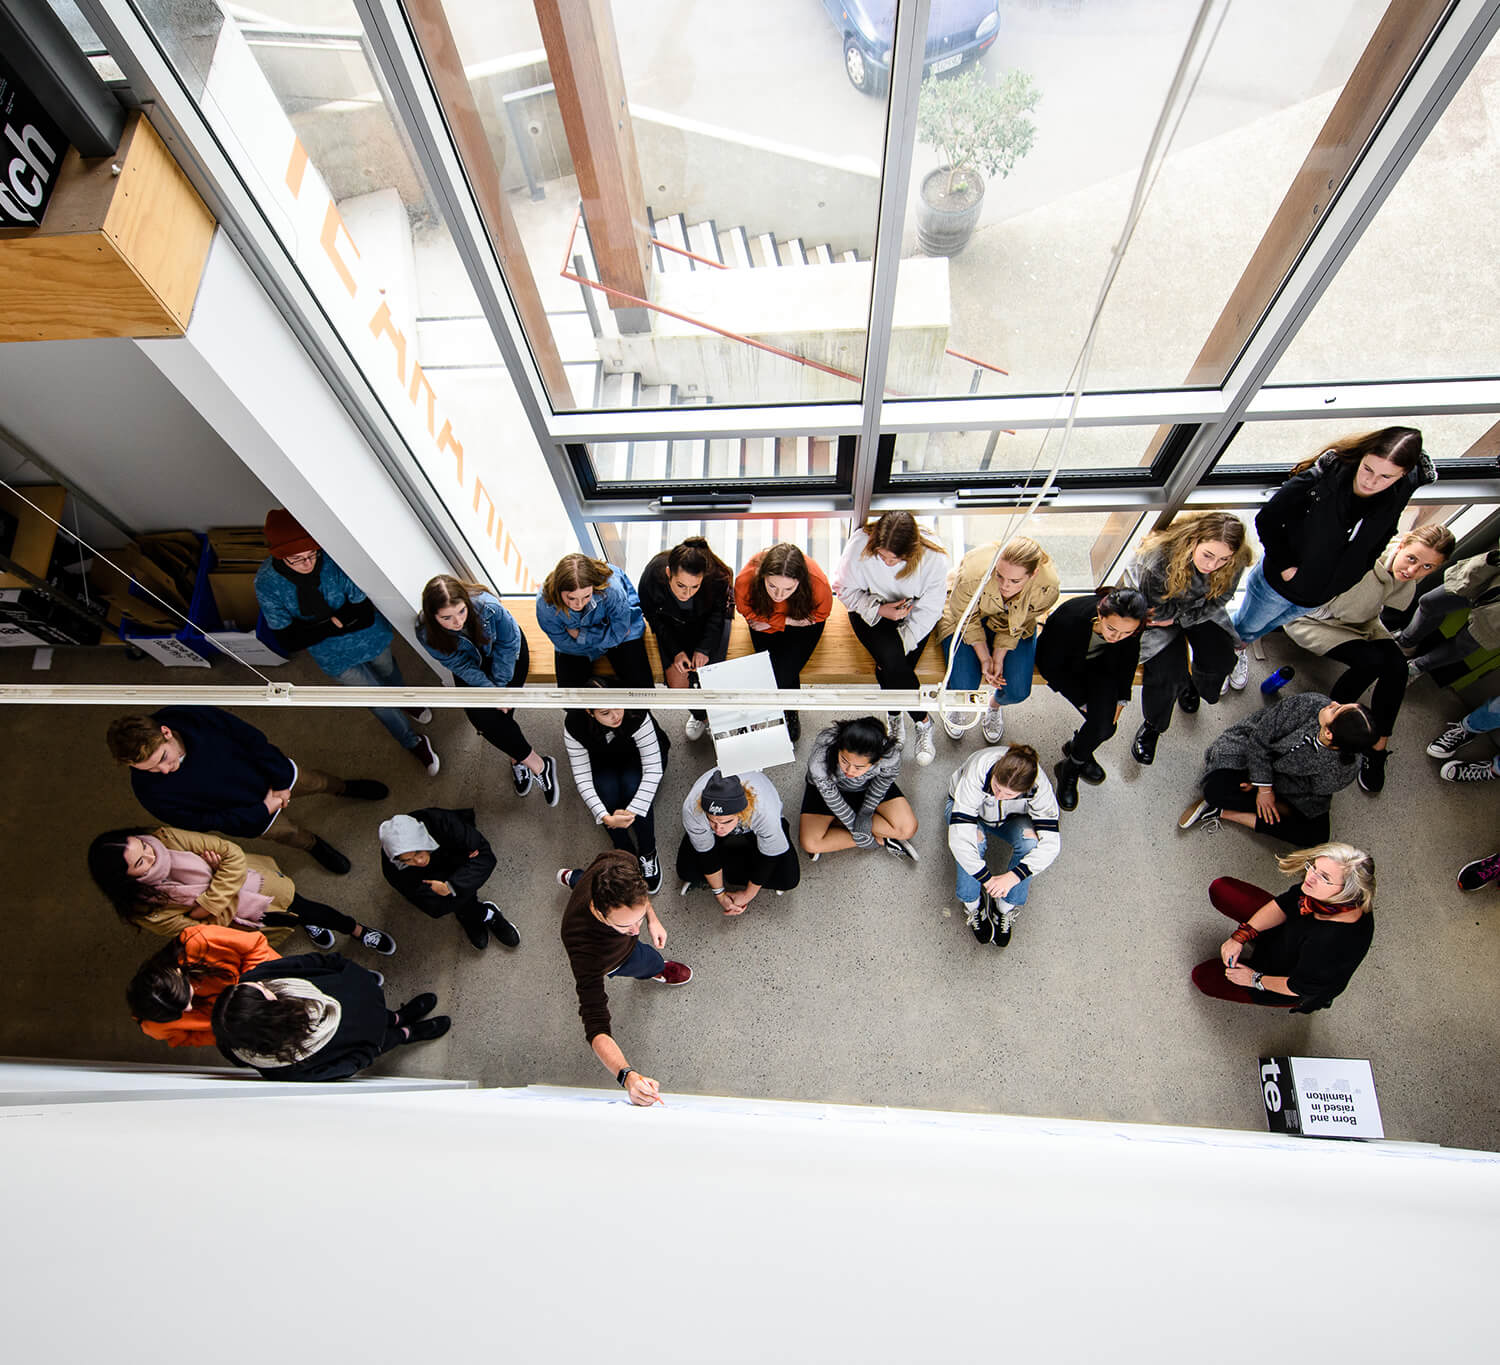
x=285 y=536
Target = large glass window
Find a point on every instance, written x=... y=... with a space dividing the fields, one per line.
x=1021 y=455
x=1280 y=445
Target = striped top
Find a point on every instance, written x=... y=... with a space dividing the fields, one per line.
x=631 y=744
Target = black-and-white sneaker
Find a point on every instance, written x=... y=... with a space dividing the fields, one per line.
x=901 y=849
x=321 y=937
x=651 y=871
x=501 y=928
x=1198 y=812
x=379 y=941
x=980 y=922
x=547 y=780
x=520 y=774
x=1005 y=919
x=1449 y=742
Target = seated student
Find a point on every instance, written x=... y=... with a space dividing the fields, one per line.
x=851 y=799
x=467 y=630
x=310 y=603
x=618 y=758
x=1349 y=629
x=687 y=597
x=167 y=880
x=589 y=610
x=438 y=860
x=172 y=995
x=316 y=1017
x=734 y=835
x=1276 y=771
x=1088 y=653
x=201 y=768
x=998 y=646
x=1297 y=950
x=1472 y=583
x=893 y=578
x=1001 y=792
x=601 y=933
x=785 y=599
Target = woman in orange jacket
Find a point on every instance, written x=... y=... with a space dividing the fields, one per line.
x=172 y=996
x=785 y=599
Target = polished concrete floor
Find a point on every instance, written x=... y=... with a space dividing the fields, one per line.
x=864 y=985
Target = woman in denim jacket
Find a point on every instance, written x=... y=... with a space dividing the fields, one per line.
x=589 y=609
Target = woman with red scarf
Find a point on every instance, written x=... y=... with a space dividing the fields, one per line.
x=1297 y=950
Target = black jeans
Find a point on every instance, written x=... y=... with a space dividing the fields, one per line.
x=1221 y=788
x=790 y=649
x=1372 y=661
x=302 y=910
x=739 y=858
x=1094 y=695
x=1166 y=674
x=895 y=665
x=628 y=658
x=615 y=787
x=498 y=727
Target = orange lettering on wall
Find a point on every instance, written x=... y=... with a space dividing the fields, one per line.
x=333 y=224
x=447 y=441
x=296 y=167
x=419 y=381
x=381 y=325
x=480 y=491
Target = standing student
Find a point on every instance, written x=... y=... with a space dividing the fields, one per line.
x=167 y=880
x=734 y=835
x=618 y=758
x=851 y=799
x=172 y=995
x=1297 y=950
x=590 y=611
x=201 y=768
x=439 y=861
x=1187 y=573
x=1325 y=527
x=687 y=598
x=785 y=599
x=310 y=603
x=1000 y=793
x=893 y=577
x=998 y=648
x=1088 y=654
x=467 y=630
x=1349 y=629
x=1276 y=772
x=607 y=906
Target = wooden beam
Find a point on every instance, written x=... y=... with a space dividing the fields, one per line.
x=584 y=57
x=434 y=37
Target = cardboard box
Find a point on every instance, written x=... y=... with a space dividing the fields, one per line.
x=1332 y=1097
x=234 y=595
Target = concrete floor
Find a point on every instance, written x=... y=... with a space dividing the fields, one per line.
x=863 y=986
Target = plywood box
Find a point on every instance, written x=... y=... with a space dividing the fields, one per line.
x=120 y=252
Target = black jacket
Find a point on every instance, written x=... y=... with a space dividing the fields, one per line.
x=1062 y=652
x=363 y=1022
x=1315 y=524
x=449 y=862
x=695 y=626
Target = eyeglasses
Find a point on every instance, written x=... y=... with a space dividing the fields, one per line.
x=306 y=557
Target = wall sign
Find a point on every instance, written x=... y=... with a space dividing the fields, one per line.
x=31 y=150
x=1320 y=1097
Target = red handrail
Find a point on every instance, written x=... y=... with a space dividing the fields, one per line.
x=983 y=364
x=691 y=255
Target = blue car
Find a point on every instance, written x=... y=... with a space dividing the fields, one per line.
x=958 y=31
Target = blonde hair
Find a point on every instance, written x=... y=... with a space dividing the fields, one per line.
x=1359 y=872
x=1435 y=536
x=742 y=816
x=901 y=535
x=1024 y=553
x=1177 y=542
x=572 y=573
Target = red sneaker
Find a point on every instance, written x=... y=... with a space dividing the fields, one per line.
x=674 y=974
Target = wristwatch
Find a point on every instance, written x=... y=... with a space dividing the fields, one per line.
x=1255 y=982
x=623 y=1072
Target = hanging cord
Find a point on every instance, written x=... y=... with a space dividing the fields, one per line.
x=1174 y=107
x=160 y=601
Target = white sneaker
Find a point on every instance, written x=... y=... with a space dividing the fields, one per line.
x=694 y=728
x=955 y=723
x=926 y=752
x=895 y=726
x=1241 y=672
x=993 y=725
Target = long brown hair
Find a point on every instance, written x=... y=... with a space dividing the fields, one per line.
x=1402 y=446
x=782 y=560
x=1178 y=541
x=573 y=572
x=443 y=592
x=899 y=534
x=1016 y=768
x=694 y=556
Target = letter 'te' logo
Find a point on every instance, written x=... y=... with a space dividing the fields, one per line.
x=1270 y=1073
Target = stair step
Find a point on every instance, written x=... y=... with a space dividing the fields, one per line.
x=583 y=379
x=673 y=231
x=758 y=460
x=734 y=248
x=791 y=252
x=792 y=456
x=703 y=239
x=850 y=256
x=687 y=459
x=824 y=458
x=763 y=249
x=657 y=254
x=821 y=255
x=723 y=458
x=620 y=390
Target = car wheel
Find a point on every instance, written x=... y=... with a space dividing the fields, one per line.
x=857 y=68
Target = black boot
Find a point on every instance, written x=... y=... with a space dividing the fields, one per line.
x=794 y=726
x=1067 y=784
x=327 y=855
x=1143 y=750
x=1089 y=770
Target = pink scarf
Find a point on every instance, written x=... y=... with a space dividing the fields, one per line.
x=183 y=877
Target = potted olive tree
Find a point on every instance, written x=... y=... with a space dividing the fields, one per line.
x=979 y=130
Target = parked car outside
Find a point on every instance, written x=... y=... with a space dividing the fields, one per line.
x=958 y=32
